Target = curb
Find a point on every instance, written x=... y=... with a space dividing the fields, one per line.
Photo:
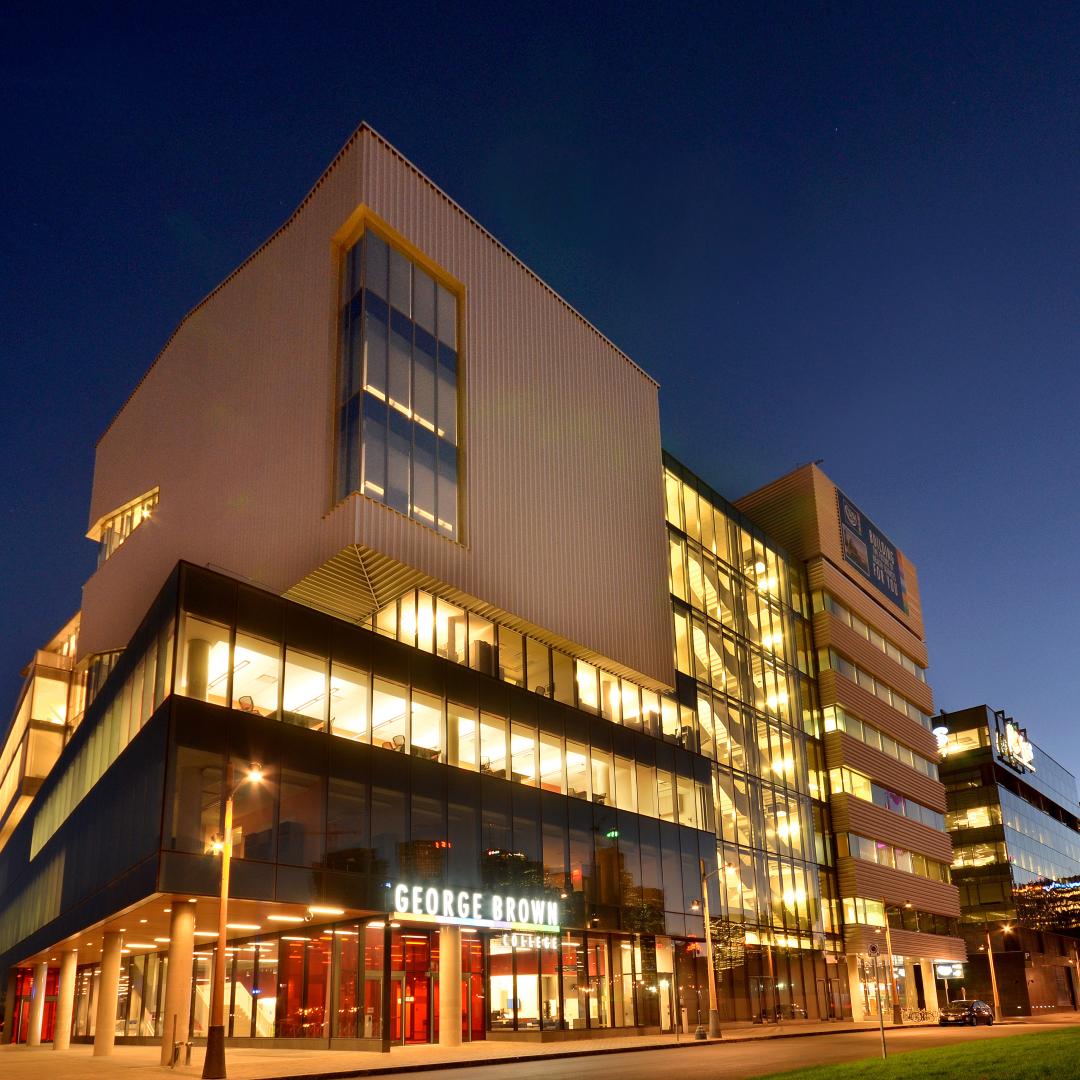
x=516 y=1059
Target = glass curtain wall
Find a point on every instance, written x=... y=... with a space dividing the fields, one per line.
x=744 y=652
x=398 y=385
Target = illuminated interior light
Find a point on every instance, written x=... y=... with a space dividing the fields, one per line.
x=326 y=910
x=243 y=926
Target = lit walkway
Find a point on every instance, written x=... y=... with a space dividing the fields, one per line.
x=140 y=1062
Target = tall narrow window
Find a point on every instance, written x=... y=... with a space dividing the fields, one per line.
x=398 y=394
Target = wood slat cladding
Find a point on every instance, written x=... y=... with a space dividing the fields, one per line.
x=837 y=689
x=905 y=943
x=562 y=494
x=830 y=631
x=842 y=749
x=851 y=814
x=823 y=575
x=858 y=878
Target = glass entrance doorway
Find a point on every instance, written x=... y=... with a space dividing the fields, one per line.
x=414 y=988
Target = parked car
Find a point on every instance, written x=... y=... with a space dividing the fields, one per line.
x=966 y=1012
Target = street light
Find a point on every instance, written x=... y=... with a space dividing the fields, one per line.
x=1005 y=929
x=214 y=1064
x=714 y=1015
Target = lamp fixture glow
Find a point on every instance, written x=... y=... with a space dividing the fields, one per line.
x=326 y=910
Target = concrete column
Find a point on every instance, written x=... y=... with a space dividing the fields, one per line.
x=9 y=1008
x=911 y=991
x=450 y=986
x=108 y=985
x=929 y=984
x=176 y=1011
x=37 y=1004
x=858 y=1003
x=65 y=1002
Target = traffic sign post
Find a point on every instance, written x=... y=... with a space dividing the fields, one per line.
x=873 y=950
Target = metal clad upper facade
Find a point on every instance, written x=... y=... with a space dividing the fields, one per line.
x=562 y=495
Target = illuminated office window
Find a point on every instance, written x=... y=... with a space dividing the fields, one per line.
x=397 y=386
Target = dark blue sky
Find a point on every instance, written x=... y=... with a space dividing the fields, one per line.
x=847 y=233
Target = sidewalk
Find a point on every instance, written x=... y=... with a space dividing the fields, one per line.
x=141 y=1062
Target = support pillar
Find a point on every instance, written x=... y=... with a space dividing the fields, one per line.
x=108 y=985
x=858 y=999
x=37 y=1004
x=450 y=986
x=911 y=991
x=65 y=1001
x=929 y=984
x=9 y=1008
x=176 y=1011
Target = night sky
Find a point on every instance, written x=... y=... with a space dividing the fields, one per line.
x=846 y=232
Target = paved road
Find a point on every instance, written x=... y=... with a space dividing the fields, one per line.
x=734 y=1060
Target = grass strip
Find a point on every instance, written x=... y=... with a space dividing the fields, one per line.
x=1050 y=1055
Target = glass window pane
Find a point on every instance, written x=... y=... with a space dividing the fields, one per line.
x=447 y=316
x=427 y=726
x=398 y=459
x=450 y=632
x=563 y=675
x=446 y=391
x=538 y=676
x=300 y=828
x=204 y=660
x=423 y=300
x=349 y=690
x=256 y=675
x=399 y=379
x=492 y=745
x=374 y=432
x=603 y=778
x=376 y=260
x=375 y=346
x=577 y=770
x=462 y=738
x=523 y=755
x=400 y=283
x=389 y=718
x=305 y=690
x=510 y=658
x=551 y=764
x=481 y=645
x=447 y=489
x=424 y=385
x=587 y=691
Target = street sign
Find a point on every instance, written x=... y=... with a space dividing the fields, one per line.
x=873 y=949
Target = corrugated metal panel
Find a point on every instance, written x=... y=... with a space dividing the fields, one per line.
x=562 y=490
x=829 y=631
x=850 y=814
x=837 y=689
x=858 y=878
x=842 y=749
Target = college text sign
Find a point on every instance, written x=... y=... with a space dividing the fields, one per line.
x=869 y=551
x=461 y=905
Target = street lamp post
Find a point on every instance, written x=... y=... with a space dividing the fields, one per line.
x=714 y=1015
x=214 y=1064
x=1006 y=929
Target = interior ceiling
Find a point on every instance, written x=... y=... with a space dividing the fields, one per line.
x=358 y=581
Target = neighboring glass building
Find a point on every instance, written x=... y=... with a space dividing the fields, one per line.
x=1015 y=825
x=527 y=696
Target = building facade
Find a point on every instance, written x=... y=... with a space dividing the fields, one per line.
x=1015 y=824
x=528 y=698
x=886 y=799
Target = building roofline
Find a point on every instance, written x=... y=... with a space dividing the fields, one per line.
x=364 y=128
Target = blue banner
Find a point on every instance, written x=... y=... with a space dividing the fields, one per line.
x=869 y=551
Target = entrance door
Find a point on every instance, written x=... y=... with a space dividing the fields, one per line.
x=827 y=993
x=417 y=1012
x=763 y=1003
x=397 y=1010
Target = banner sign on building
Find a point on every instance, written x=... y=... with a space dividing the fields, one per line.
x=474 y=908
x=869 y=551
